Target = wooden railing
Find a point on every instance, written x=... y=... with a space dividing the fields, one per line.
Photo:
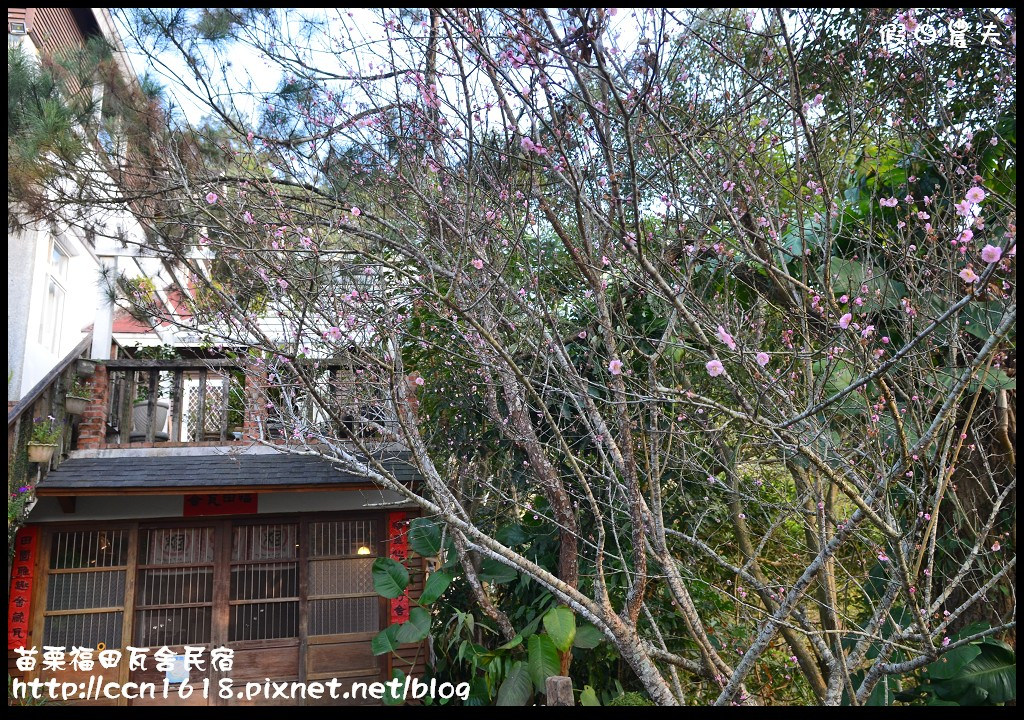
x=46 y=399
x=204 y=401
x=173 y=401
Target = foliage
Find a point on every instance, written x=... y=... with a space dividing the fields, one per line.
x=45 y=431
x=80 y=389
x=630 y=698
x=699 y=322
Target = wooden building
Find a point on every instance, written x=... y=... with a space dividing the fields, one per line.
x=155 y=543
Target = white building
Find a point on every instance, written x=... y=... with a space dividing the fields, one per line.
x=54 y=291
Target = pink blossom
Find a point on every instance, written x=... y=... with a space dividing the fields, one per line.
x=203 y=240
x=478 y=263
x=726 y=338
x=211 y=197
x=715 y=368
x=728 y=185
x=975 y=195
x=419 y=381
x=356 y=211
x=615 y=367
x=968 y=275
x=963 y=208
x=945 y=641
x=763 y=358
x=845 y=320
x=996 y=546
x=966 y=236
x=991 y=253
x=332 y=333
x=247 y=218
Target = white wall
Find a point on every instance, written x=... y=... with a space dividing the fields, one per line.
x=28 y=359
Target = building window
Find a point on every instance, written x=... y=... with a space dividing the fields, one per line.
x=264 y=582
x=190 y=589
x=341 y=596
x=53 y=307
x=174 y=594
x=85 y=592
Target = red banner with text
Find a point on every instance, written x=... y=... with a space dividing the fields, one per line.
x=398 y=550
x=20 y=599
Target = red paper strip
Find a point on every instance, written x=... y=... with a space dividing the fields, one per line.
x=19 y=601
x=398 y=549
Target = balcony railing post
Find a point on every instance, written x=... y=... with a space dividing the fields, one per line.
x=177 y=434
x=201 y=408
x=225 y=407
x=127 y=407
x=154 y=376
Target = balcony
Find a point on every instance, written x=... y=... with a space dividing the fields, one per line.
x=204 y=402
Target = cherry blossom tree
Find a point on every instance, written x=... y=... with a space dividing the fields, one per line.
x=724 y=299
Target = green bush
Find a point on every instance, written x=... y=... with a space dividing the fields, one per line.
x=630 y=698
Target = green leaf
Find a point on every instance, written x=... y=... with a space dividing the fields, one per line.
x=395 y=698
x=543 y=660
x=848 y=276
x=514 y=642
x=425 y=537
x=981 y=318
x=416 y=628
x=588 y=637
x=437 y=583
x=510 y=535
x=949 y=665
x=993 y=672
x=516 y=689
x=588 y=698
x=496 y=573
x=882 y=694
x=995 y=379
x=390 y=577
x=561 y=626
x=385 y=641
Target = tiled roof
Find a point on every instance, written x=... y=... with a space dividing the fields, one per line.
x=170 y=472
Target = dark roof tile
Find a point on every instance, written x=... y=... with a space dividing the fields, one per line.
x=188 y=471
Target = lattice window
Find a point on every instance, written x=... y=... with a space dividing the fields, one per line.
x=264 y=582
x=340 y=587
x=213 y=420
x=174 y=595
x=85 y=591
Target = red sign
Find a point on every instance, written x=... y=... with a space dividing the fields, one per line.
x=20 y=599
x=398 y=549
x=221 y=504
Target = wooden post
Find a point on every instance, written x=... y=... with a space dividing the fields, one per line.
x=559 y=690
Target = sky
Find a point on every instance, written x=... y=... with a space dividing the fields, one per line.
x=246 y=68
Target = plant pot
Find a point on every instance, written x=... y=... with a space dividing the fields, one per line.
x=75 y=405
x=140 y=419
x=40 y=453
x=85 y=368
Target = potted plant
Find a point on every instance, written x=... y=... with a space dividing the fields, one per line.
x=140 y=416
x=78 y=397
x=43 y=441
x=85 y=367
